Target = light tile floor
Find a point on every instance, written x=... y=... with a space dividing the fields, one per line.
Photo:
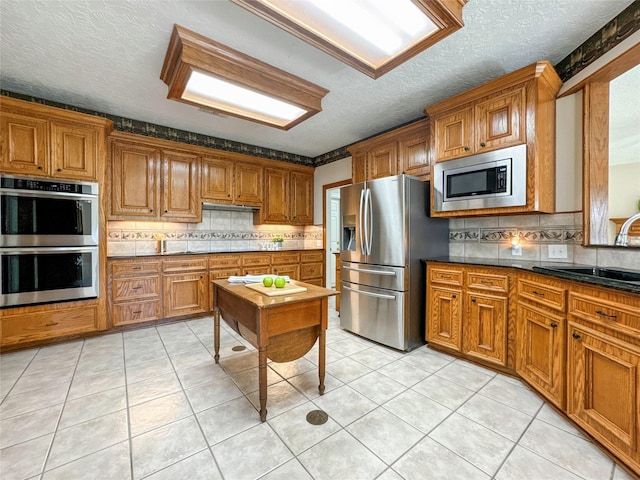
x=152 y=404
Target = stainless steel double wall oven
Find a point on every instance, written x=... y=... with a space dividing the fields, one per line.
x=48 y=240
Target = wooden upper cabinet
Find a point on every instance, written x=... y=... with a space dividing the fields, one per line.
x=25 y=144
x=276 y=196
x=412 y=153
x=288 y=197
x=403 y=150
x=248 y=184
x=382 y=161
x=153 y=181
x=46 y=141
x=227 y=181
x=217 y=179
x=453 y=134
x=134 y=179
x=301 y=198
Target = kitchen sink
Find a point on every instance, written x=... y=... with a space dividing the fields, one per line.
x=609 y=273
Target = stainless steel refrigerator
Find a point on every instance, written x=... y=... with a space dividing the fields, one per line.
x=386 y=232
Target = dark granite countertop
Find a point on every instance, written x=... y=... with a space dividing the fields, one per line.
x=547 y=268
x=173 y=254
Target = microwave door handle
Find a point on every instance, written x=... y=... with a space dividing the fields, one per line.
x=370 y=212
x=361 y=221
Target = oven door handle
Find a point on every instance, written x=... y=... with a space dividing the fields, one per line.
x=32 y=250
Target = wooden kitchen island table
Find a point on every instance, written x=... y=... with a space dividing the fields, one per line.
x=282 y=328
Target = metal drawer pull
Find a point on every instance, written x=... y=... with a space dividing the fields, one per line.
x=486 y=282
x=50 y=324
x=603 y=314
x=371 y=294
x=136 y=288
x=576 y=336
x=365 y=270
x=538 y=293
x=447 y=277
x=136 y=268
x=137 y=311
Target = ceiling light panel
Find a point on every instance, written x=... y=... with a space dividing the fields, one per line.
x=373 y=36
x=208 y=74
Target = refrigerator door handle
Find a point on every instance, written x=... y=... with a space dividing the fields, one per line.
x=375 y=272
x=370 y=221
x=360 y=222
x=365 y=216
x=371 y=294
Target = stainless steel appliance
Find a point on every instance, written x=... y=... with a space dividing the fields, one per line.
x=386 y=231
x=49 y=274
x=487 y=180
x=41 y=212
x=48 y=241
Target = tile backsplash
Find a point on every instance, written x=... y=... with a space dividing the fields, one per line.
x=219 y=231
x=491 y=237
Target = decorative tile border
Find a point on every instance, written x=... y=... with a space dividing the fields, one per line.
x=559 y=234
x=146 y=235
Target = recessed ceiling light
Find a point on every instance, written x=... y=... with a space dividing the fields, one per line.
x=208 y=74
x=373 y=36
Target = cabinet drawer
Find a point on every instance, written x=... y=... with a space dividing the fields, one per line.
x=291 y=271
x=255 y=260
x=137 y=312
x=44 y=325
x=220 y=261
x=546 y=295
x=136 y=288
x=134 y=268
x=486 y=281
x=445 y=275
x=285 y=258
x=606 y=311
x=310 y=270
x=185 y=264
x=218 y=273
x=306 y=257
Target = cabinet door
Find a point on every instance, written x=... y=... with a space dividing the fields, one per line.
x=180 y=186
x=248 y=184
x=74 y=151
x=301 y=196
x=382 y=161
x=454 y=134
x=359 y=167
x=276 y=196
x=134 y=180
x=603 y=377
x=25 y=143
x=413 y=154
x=444 y=319
x=185 y=294
x=485 y=329
x=540 y=357
x=217 y=179
x=500 y=121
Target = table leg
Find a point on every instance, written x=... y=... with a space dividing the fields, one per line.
x=216 y=334
x=321 y=360
x=262 y=382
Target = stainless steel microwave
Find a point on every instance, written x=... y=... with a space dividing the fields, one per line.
x=486 y=180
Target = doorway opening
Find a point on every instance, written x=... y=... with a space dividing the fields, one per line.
x=331 y=222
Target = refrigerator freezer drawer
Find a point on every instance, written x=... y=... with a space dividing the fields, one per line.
x=374 y=313
x=388 y=278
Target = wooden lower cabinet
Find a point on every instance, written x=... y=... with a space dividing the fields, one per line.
x=312 y=267
x=134 y=291
x=485 y=327
x=444 y=321
x=185 y=294
x=540 y=353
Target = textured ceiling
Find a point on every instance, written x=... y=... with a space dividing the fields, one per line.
x=106 y=55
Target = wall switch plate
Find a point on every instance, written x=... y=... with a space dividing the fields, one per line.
x=557 y=251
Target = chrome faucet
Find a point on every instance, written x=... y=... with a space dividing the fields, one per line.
x=621 y=238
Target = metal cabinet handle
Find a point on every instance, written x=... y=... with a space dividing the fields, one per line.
x=454 y=296
x=576 y=336
x=466 y=149
x=473 y=300
x=554 y=325
x=50 y=324
x=482 y=144
x=538 y=293
x=603 y=314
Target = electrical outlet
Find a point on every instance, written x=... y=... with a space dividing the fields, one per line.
x=516 y=250
x=319 y=243
x=557 y=251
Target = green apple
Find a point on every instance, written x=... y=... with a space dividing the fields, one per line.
x=267 y=281
x=280 y=282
